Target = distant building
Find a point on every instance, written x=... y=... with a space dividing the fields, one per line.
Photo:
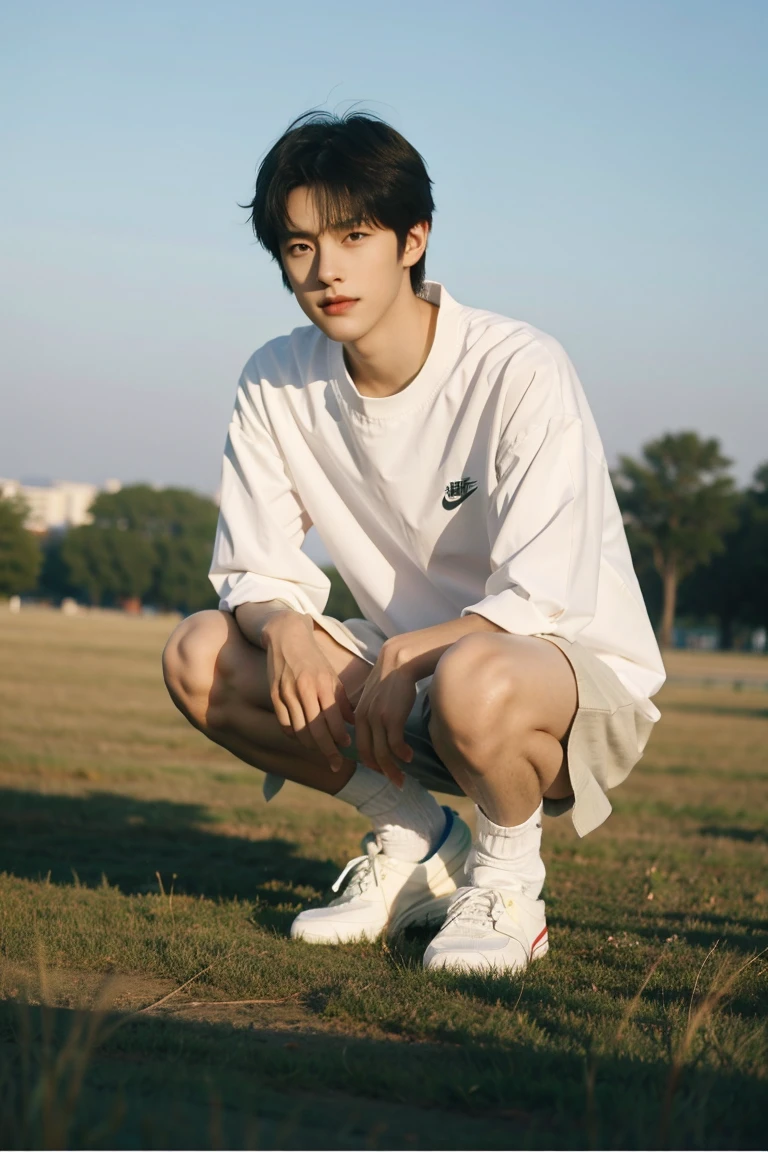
x=57 y=506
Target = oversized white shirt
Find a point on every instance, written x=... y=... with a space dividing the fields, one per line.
x=480 y=487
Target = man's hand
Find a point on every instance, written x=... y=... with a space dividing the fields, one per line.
x=381 y=713
x=309 y=699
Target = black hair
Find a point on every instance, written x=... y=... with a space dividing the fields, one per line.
x=357 y=167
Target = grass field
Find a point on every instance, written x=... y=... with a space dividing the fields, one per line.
x=149 y=996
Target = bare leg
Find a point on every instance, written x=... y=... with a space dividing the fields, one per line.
x=502 y=707
x=219 y=681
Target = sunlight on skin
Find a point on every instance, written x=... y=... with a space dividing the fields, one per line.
x=387 y=332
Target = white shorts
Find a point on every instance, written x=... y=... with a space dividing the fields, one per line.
x=607 y=737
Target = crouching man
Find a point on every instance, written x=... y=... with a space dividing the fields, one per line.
x=450 y=462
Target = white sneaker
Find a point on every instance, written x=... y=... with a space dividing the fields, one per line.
x=386 y=894
x=489 y=930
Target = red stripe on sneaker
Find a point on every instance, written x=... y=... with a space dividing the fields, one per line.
x=536 y=941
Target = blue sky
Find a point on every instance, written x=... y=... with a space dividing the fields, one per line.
x=600 y=170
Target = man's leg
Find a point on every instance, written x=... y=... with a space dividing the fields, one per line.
x=502 y=707
x=219 y=681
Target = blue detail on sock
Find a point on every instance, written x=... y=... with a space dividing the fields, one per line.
x=449 y=814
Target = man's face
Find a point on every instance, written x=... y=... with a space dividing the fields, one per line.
x=356 y=262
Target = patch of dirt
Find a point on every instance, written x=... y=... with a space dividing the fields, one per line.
x=283 y=1018
x=73 y=988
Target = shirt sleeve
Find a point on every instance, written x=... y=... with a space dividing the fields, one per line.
x=262 y=523
x=545 y=518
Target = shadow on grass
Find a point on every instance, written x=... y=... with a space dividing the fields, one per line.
x=191 y=1084
x=746 y=835
x=102 y=834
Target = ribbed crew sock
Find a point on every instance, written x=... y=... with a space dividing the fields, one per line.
x=508 y=858
x=408 y=822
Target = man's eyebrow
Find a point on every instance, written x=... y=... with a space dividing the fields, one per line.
x=289 y=234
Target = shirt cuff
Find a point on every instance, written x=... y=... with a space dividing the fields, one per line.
x=249 y=589
x=514 y=614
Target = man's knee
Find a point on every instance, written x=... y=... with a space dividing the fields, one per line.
x=472 y=690
x=189 y=662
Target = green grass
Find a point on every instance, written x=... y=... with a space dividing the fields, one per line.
x=135 y=856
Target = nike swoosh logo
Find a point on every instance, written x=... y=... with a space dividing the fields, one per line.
x=448 y=504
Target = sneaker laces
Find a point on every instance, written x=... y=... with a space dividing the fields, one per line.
x=476 y=908
x=365 y=872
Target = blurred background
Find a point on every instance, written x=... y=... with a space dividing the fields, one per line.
x=598 y=170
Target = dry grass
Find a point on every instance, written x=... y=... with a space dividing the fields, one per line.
x=744 y=666
x=137 y=852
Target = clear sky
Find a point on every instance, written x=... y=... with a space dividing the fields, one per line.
x=600 y=170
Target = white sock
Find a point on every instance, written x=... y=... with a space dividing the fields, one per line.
x=507 y=858
x=409 y=823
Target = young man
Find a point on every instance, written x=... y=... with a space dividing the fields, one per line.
x=450 y=462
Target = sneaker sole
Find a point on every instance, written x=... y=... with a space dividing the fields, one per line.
x=487 y=966
x=540 y=946
x=428 y=912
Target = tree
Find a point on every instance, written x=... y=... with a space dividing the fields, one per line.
x=756 y=548
x=156 y=512
x=20 y=555
x=733 y=587
x=145 y=543
x=180 y=578
x=679 y=503
x=54 y=581
x=108 y=565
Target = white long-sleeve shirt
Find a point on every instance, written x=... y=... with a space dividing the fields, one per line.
x=480 y=487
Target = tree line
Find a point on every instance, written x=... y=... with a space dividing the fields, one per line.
x=143 y=544
x=699 y=545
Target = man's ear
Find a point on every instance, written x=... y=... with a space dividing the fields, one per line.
x=415 y=244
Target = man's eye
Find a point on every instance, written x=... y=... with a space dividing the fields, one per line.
x=294 y=249
x=356 y=235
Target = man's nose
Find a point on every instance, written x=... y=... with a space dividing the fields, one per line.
x=328 y=266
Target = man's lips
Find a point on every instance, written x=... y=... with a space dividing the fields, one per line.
x=337 y=305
